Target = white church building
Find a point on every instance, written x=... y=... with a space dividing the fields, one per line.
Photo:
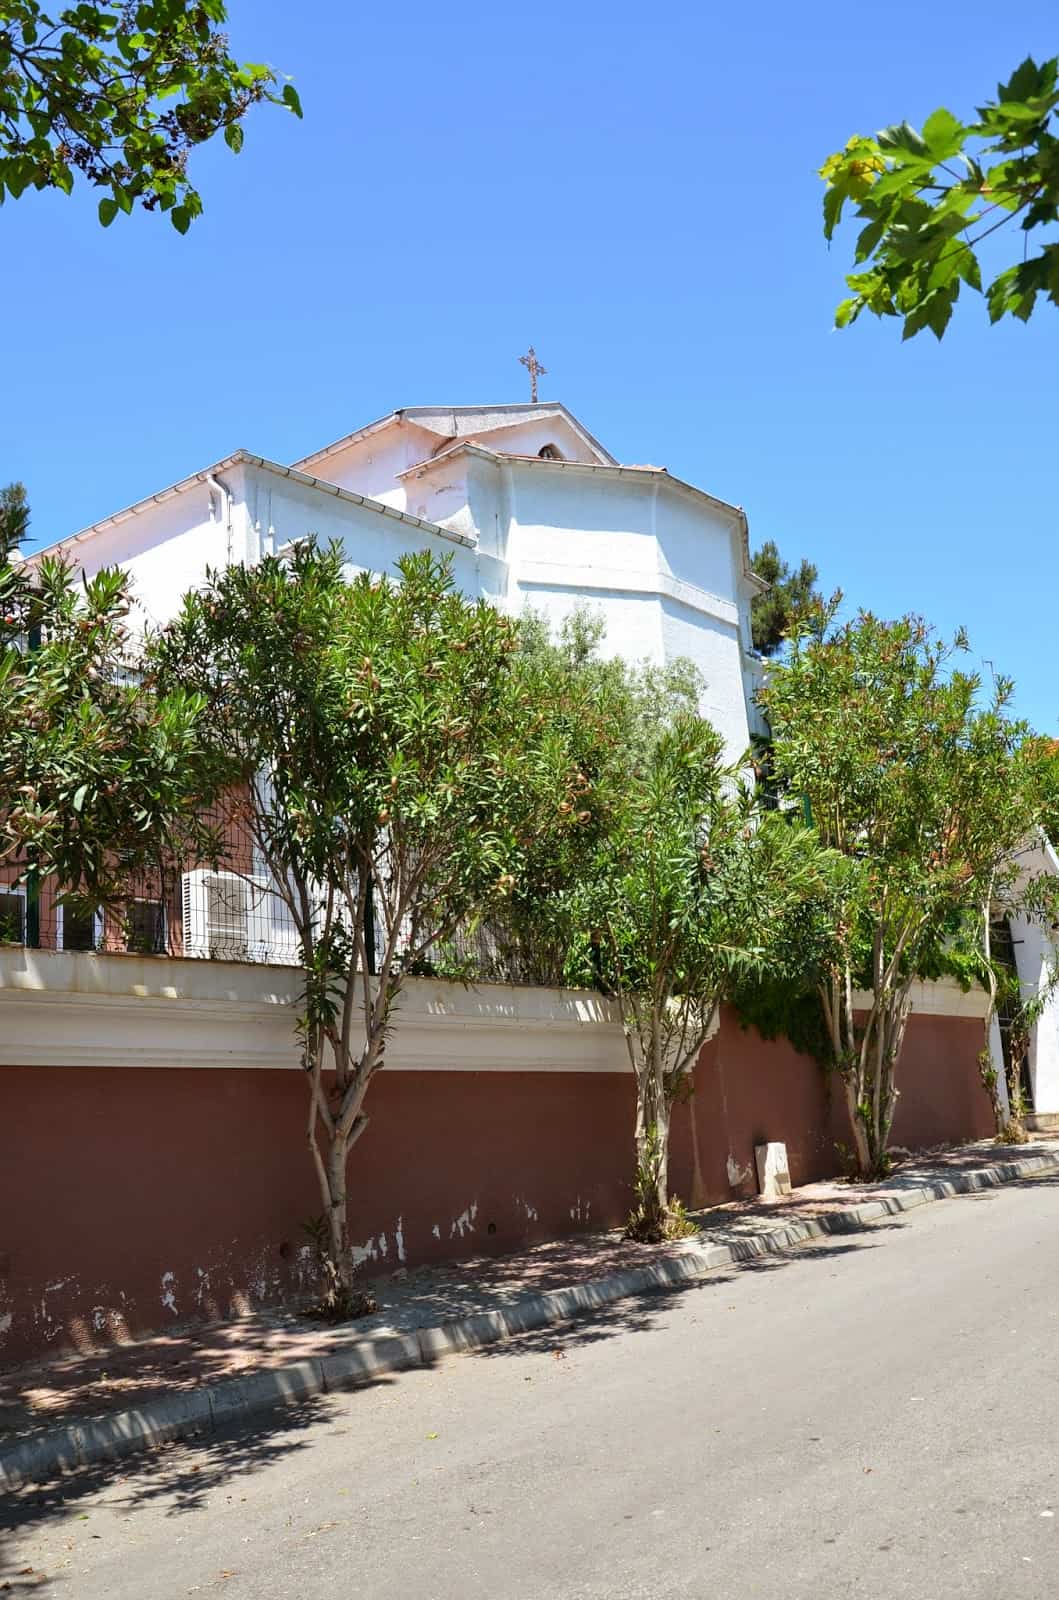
x=533 y=511
x=531 y=508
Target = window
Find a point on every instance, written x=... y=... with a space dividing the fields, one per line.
x=145 y=931
x=78 y=930
x=550 y=452
x=12 y=916
x=227 y=917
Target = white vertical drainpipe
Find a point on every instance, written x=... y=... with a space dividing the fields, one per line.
x=225 y=495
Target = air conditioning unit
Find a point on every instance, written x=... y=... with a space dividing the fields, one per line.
x=228 y=917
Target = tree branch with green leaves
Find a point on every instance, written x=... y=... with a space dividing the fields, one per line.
x=122 y=94
x=685 y=892
x=929 y=198
x=100 y=769
x=791 y=598
x=392 y=769
x=928 y=792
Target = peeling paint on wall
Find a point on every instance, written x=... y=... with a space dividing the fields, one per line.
x=464 y=1223
x=738 y=1175
x=398 y=1238
x=169 y=1292
x=369 y=1251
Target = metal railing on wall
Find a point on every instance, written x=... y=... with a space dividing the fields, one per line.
x=233 y=911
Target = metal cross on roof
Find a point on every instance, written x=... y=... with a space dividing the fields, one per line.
x=534 y=368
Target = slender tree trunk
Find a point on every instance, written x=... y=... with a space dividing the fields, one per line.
x=881 y=1051
x=1018 y=1046
x=643 y=1039
x=991 y=1082
x=332 y=1166
x=338 y=1213
x=661 y=1059
x=662 y=1132
x=336 y=1121
x=652 y=1154
x=868 y=1074
x=991 y=1075
x=861 y=1149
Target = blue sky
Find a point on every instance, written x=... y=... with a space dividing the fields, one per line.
x=631 y=189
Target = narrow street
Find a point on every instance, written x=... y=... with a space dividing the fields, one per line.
x=875 y=1416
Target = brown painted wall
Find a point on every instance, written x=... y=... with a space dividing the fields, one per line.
x=942 y=1094
x=131 y=1198
x=749 y=1091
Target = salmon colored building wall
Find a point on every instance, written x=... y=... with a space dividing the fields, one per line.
x=132 y=1198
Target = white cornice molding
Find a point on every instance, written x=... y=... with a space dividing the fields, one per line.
x=68 y=1009
x=626 y=580
x=938 y=998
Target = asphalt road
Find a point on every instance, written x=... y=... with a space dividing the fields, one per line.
x=877 y=1416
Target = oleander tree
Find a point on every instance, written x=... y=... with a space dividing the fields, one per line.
x=121 y=94
x=928 y=199
x=608 y=712
x=689 y=886
x=928 y=788
x=394 y=768
x=99 y=769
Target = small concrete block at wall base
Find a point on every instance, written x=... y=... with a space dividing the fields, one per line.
x=773 y=1170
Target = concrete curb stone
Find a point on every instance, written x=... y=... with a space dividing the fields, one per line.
x=237 y=1398
x=214 y=1406
x=173 y=1416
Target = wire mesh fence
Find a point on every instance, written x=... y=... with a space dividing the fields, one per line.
x=232 y=910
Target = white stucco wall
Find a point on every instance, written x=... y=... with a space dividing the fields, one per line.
x=371 y=465
x=372 y=542
x=696 y=544
x=528 y=439
x=438 y=492
x=581 y=527
x=633 y=621
x=662 y=565
x=754 y=670
x=167 y=548
x=661 y=571
x=1035 y=957
x=713 y=645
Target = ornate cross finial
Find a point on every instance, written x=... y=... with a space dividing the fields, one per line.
x=534 y=368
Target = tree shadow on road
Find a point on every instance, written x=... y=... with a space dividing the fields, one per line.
x=180 y=1478
x=643 y=1312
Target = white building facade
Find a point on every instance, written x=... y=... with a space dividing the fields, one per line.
x=1034 y=954
x=531 y=509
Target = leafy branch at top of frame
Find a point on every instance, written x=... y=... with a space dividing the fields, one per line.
x=928 y=198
